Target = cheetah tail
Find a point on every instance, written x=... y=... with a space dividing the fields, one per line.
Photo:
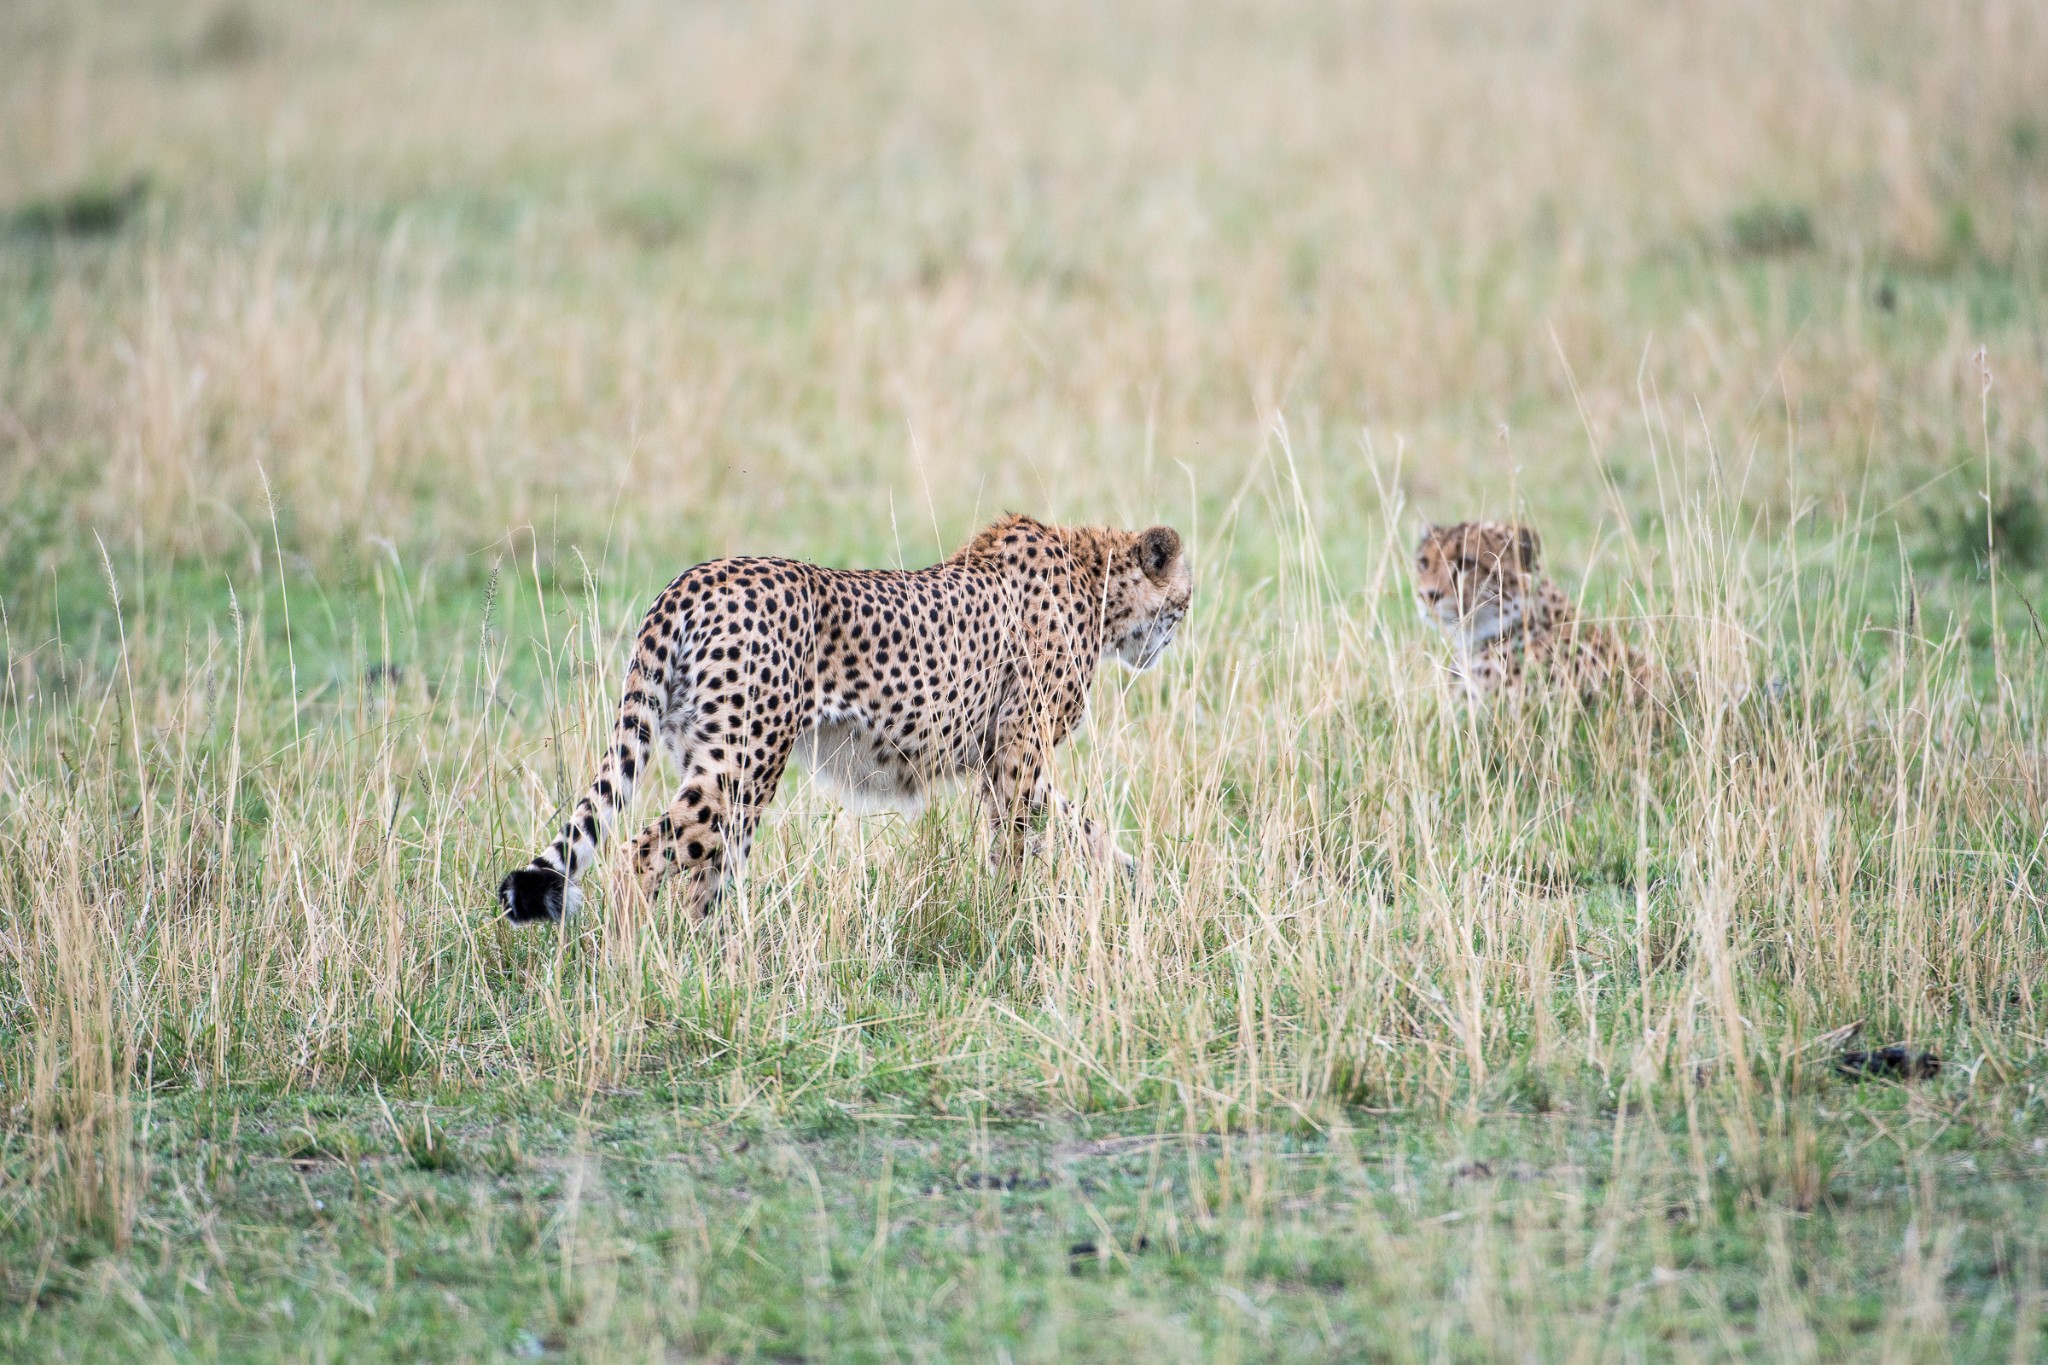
x=546 y=888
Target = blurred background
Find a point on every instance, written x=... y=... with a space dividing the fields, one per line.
x=668 y=280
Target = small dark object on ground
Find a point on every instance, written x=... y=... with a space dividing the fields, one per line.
x=1953 y=534
x=1769 y=228
x=95 y=211
x=1082 y=1250
x=1887 y=297
x=230 y=36
x=1895 y=1063
x=383 y=675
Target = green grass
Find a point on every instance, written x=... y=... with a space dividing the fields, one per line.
x=535 y=1144
x=959 y=1226
x=339 y=455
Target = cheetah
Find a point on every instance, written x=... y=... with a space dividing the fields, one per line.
x=1477 y=583
x=884 y=684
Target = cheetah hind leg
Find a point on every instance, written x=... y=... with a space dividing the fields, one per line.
x=689 y=839
x=707 y=832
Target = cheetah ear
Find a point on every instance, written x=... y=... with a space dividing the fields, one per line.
x=1157 y=549
x=1529 y=545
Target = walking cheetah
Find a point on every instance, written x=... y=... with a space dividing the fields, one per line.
x=884 y=684
x=1476 y=582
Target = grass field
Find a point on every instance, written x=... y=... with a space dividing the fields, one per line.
x=366 y=367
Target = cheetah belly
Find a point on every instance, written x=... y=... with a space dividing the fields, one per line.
x=858 y=769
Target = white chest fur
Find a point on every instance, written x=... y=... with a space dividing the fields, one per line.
x=860 y=770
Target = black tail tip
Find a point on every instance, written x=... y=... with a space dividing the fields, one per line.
x=533 y=893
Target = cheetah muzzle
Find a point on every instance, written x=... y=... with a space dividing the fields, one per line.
x=884 y=684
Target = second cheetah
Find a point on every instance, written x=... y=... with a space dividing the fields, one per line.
x=1477 y=583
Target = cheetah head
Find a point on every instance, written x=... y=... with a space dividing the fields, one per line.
x=1473 y=580
x=1147 y=595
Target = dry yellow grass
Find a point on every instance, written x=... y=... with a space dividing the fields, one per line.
x=732 y=256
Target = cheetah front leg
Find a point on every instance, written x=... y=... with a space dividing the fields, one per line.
x=1095 y=838
x=1020 y=797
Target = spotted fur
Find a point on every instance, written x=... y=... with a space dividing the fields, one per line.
x=1477 y=583
x=885 y=684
